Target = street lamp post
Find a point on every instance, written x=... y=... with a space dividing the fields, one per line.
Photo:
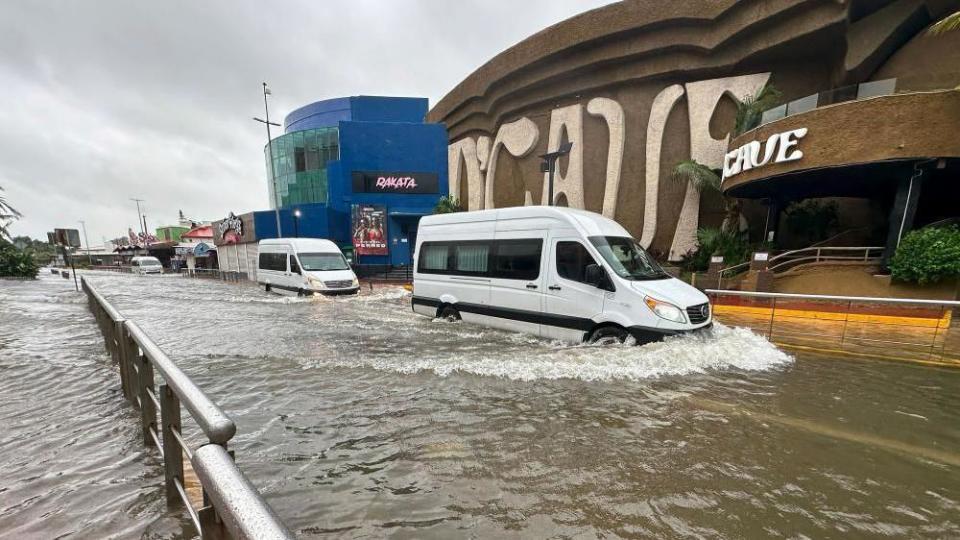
x=83 y=224
x=273 y=169
x=296 y=223
x=549 y=166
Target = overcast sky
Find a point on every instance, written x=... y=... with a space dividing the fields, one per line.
x=107 y=100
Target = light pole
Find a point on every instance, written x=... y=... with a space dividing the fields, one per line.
x=139 y=222
x=83 y=224
x=549 y=165
x=296 y=223
x=273 y=170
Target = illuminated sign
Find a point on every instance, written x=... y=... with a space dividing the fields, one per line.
x=778 y=149
x=395 y=182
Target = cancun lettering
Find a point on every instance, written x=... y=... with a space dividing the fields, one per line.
x=752 y=155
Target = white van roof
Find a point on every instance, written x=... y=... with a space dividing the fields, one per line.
x=587 y=223
x=321 y=245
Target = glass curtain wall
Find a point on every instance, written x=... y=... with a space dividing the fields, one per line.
x=299 y=171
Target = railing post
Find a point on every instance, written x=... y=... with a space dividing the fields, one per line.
x=843 y=333
x=123 y=353
x=773 y=314
x=148 y=410
x=172 y=454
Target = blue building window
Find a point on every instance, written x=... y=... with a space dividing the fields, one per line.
x=298 y=174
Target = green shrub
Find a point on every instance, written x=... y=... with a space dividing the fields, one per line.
x=732 y=246
x=927 y=255
x=16 y=263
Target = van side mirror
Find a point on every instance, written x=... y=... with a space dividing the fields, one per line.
x=593 y=275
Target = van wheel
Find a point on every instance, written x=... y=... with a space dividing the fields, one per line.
x=450 y=313
x=608 y=335
x=266 y=287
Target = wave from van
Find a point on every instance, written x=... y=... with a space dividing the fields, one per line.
x=722 y=348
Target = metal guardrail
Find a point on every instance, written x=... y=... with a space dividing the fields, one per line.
x=895 y=328
x=824 y=254
x=229 y=499
x=112 y=268
x=213 y=273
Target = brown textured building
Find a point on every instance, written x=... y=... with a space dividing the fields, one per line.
x=641 y=85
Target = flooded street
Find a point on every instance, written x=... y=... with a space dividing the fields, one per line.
x=357 y=418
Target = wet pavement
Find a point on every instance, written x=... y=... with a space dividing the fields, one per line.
x=357 y=418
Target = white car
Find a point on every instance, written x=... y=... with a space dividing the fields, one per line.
x=146 y=265
x=304 y=266
x=556 y=272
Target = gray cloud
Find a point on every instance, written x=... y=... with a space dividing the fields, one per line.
x=108 y=100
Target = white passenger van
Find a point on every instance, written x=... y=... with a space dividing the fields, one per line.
x=304 y=266
x=560 y=273
x=146 y=265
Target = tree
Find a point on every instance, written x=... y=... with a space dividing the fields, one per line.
x=17 y=263
x=947 y=24
x=447 y=205
x=7 y=214
x=707 y=180
x=751 y=109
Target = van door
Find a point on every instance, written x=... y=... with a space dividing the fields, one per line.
x=517 y=277
x=294 y=274
x=570 y=302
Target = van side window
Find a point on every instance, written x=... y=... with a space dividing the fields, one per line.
x=518 y=259
x=572 y=261
x=273 y=261
x=433 y=258
x=472 y=258
x=294 y=267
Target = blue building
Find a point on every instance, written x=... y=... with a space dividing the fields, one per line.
x=360 y=171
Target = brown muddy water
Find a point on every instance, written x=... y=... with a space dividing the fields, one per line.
x=357 y=418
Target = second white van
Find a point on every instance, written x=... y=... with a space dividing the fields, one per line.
x=304 y=266
x=560 y=273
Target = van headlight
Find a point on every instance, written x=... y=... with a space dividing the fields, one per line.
x=355 y=282
x=665 y=310
x=315 y=282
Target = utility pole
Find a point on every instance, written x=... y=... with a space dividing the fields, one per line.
x=86 y=241
x=139 y=222
x=273 y=170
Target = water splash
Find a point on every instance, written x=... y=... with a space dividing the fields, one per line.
x=721 y=348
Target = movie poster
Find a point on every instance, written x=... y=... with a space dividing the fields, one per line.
x=369 y=224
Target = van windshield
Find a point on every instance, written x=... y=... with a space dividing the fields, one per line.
x=149 y=262
x=320 y=262
x=627 y=258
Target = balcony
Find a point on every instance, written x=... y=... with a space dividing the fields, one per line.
x=843 y=94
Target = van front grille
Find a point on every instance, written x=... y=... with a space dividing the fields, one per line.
x=339 y=284
x=699 y=313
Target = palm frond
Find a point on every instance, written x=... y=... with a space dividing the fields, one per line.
x=7 y=214
x=702 y=177
x=751 y=108
x=947 y=24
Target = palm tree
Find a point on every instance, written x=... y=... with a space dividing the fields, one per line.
x=751 y=109
x=947 y=24
x=447 y=205
x=7 y=214
x=707 y=180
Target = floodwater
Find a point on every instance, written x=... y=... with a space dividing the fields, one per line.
x=357 y=418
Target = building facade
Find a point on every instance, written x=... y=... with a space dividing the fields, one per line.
x=360 y=171
x=640 y=86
